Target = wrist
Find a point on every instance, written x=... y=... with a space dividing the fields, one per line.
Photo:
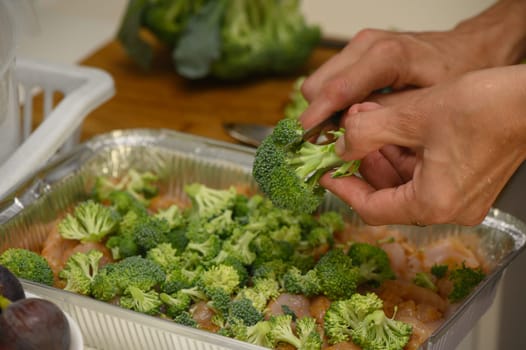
x=498 y=34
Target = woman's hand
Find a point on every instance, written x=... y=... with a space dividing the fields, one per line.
x=438 y=154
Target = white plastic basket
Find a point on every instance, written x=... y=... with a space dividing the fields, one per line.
x=83 y=89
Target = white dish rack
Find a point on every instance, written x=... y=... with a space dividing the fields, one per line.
x=83 y=89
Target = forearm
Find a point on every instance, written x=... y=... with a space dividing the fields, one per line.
x=498 y=33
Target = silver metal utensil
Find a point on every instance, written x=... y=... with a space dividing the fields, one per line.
x=248 y=133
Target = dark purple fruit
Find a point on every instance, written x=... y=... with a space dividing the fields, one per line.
x=10 y=286
x=34 y=324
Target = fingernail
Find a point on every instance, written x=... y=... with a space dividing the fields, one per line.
x=339 y=146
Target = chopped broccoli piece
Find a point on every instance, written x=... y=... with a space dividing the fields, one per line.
x=220 y=300
x=123 y=202
x=297 y=283
x=372 y=261
x=339 y=278
x=24 y=263
x=439 y=271
x=175 y=303
x=245 y=311
x=256 y=334
x=149 y=232
x=113 y=279
x=238 y=246
x=307 y=333
x=425 y=280
x=165 y=256
x=377 y=331
x=287 y=169
x=185 y=319
x=80 y=270
x=173 y=215
x=146 y=302
x=263 y=290
x=464 y=279
x=307 y=337
x=208 y=249
x=220 y=276
x=332 y=220
x=90 y=222
x=141 y=186
x=209 y=202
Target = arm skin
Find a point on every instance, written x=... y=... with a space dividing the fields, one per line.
x=375 y=59
x=435 y=155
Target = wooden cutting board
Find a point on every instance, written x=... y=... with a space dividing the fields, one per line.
x=160 y=99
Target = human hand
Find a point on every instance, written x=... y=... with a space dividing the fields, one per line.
x=435 y=155
x=375 y=59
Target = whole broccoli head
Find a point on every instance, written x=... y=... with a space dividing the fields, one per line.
x=287 y=168
x=338 y=277
x=80 y=270
x=24 y=263
x=113 y=279
x=90 y=222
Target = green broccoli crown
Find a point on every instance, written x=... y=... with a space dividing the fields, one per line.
x=439 y=271
x=149 y=232
x=209 y=202
x=80 y=270
x=281 y=331
x=208 y=249
x=24 y=263
x=164 y=255
x=425 y=280
x=185 y=318
x=464 y=279
x=339 y=278
x=256 y=334
x=113 y=279
x=343 y=316
x=245 y=311
x=307 y=333
x=287 y=169
x=377 y=331
x=173 y=215
x=372 y=261
x=90 y=222
x=175 y=303
x=146 y=302
x=297 y=283
x=220 y=276
x=220 y=300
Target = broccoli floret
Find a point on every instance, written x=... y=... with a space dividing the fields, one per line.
x=165 y=256
x=24 y=263
x=178 y=278
x=273 y=269
x=339 y=278
x=185 y=319
x=377 y=331
x=123 y=244
x=343 y=316
x=149 y=232
x=238 y=246
x=146 y=302
x=220 y=276
x=90 y=222
x=263 y=290
x=175 y=303
x=332 y=220
x=373 y=263
x=287 y=169
x=142 y=186
x=268 y=249
x=113 y=279
x=464 y=279
x=297 y=283
x=173 y=215
x=425 y=280
x=208 y=249
x=439 y=271
x=80 y=270
x=297 y=103
x=281 y=331
x=244 y=311
x=220 y=301
x=209 y=202
x=124 y=202
x=307 y=333
x=256 y=334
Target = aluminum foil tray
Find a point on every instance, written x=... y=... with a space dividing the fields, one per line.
x=28 y=211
